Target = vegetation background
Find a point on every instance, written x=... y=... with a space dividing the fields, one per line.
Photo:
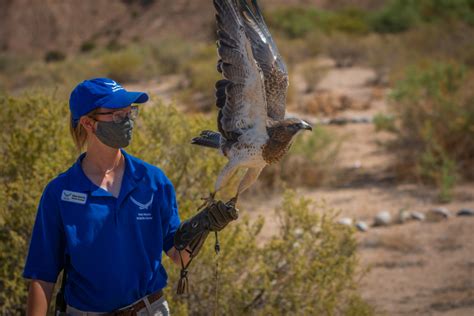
x=421 y=52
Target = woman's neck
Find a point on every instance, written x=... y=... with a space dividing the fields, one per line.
x=102 y=159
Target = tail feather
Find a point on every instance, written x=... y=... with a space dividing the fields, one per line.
x=208 y=139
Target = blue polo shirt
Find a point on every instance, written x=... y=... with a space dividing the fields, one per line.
x=115 y=245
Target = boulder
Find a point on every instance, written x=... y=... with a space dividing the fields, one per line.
x=417 y=216
x=465 y=212
x=383 y=218
x=362 y=226
x=346 y=221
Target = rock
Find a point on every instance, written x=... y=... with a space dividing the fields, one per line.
x=298 y=232
x=362 y=226
x=404 y=216
x=417 y=216
x=465 y=212
x=346 y=221
x=383 y=218
x=438 y=213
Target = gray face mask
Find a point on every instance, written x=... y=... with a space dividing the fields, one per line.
x=115 y=135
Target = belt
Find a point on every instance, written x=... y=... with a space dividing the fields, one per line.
x=132 y=310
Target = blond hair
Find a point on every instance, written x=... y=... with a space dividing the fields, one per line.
x=78 y=132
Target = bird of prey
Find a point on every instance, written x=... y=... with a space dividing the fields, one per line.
x=253 y=130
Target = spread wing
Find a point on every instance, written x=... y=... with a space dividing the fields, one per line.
x=268 y=58
x=241 y=95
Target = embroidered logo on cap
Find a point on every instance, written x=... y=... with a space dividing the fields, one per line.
x=74 y=197
x=114 y=86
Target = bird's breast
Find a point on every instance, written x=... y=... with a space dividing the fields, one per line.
x=273 y=151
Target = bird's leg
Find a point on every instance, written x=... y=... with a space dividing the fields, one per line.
x=233 y=201
x=222 y=180
x=250 y=177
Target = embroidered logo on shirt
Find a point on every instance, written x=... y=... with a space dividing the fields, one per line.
x=74 y=197
x=142 y=206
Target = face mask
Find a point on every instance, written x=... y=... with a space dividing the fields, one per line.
x=115 y=135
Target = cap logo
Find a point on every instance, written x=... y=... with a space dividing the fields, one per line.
x=114 y=86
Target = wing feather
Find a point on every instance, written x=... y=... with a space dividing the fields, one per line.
x=245 y=105
x=268 y=58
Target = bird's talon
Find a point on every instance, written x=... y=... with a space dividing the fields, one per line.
x=207 y=200
x=232 y=202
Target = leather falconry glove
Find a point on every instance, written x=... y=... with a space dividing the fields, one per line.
x=192 y=233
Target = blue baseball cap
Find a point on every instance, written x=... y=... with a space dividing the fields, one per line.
x=101 y=92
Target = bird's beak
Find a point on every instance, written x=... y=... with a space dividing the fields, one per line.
x=305 y=125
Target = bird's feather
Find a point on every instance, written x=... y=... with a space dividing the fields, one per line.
x=268 y=58
x=245 y=104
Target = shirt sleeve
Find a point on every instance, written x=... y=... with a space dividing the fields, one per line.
x=45 y=257
x=170 y=216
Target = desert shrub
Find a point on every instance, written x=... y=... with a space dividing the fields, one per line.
x=435 y=10
x=313 y=73
x=307 y=267
x=384 y=122
x=397 y=16
x=297 y=22
x=349 y=20
x=87 y=46
x=294 y=22
x=401 y=15
x=200 y=70
x=434 y=112
x=123 y=66
x=33 y=130
x=54 y=56
x=345 y=51
x=170 y=54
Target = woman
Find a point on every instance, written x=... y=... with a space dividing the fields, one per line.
x=108 y=218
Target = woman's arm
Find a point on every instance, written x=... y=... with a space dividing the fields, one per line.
x=39 y=297
x=174 y=256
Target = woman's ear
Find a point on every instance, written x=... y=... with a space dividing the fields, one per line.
x=88 y=123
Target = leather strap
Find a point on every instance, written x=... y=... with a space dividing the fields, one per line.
x=132 y=310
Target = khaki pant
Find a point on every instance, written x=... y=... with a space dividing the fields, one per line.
x=157 y=308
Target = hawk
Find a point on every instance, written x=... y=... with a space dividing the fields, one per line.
x=253 y=130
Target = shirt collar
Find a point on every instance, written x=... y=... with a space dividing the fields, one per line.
x=78 y=180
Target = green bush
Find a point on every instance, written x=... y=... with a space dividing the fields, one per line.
x=123 y=65
x=33 y=129
x=398 y=16
x=297 y=22
x=401 y=15
x=87 y=46
x=200 y=70
x=171 y=54
x=434 y=112
x=54 y=56
x=308 y=267
x=294 y=22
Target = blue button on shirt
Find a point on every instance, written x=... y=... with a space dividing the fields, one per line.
x=115 y=245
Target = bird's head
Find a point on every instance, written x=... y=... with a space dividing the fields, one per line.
x=296 y=125
x=284 y=131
